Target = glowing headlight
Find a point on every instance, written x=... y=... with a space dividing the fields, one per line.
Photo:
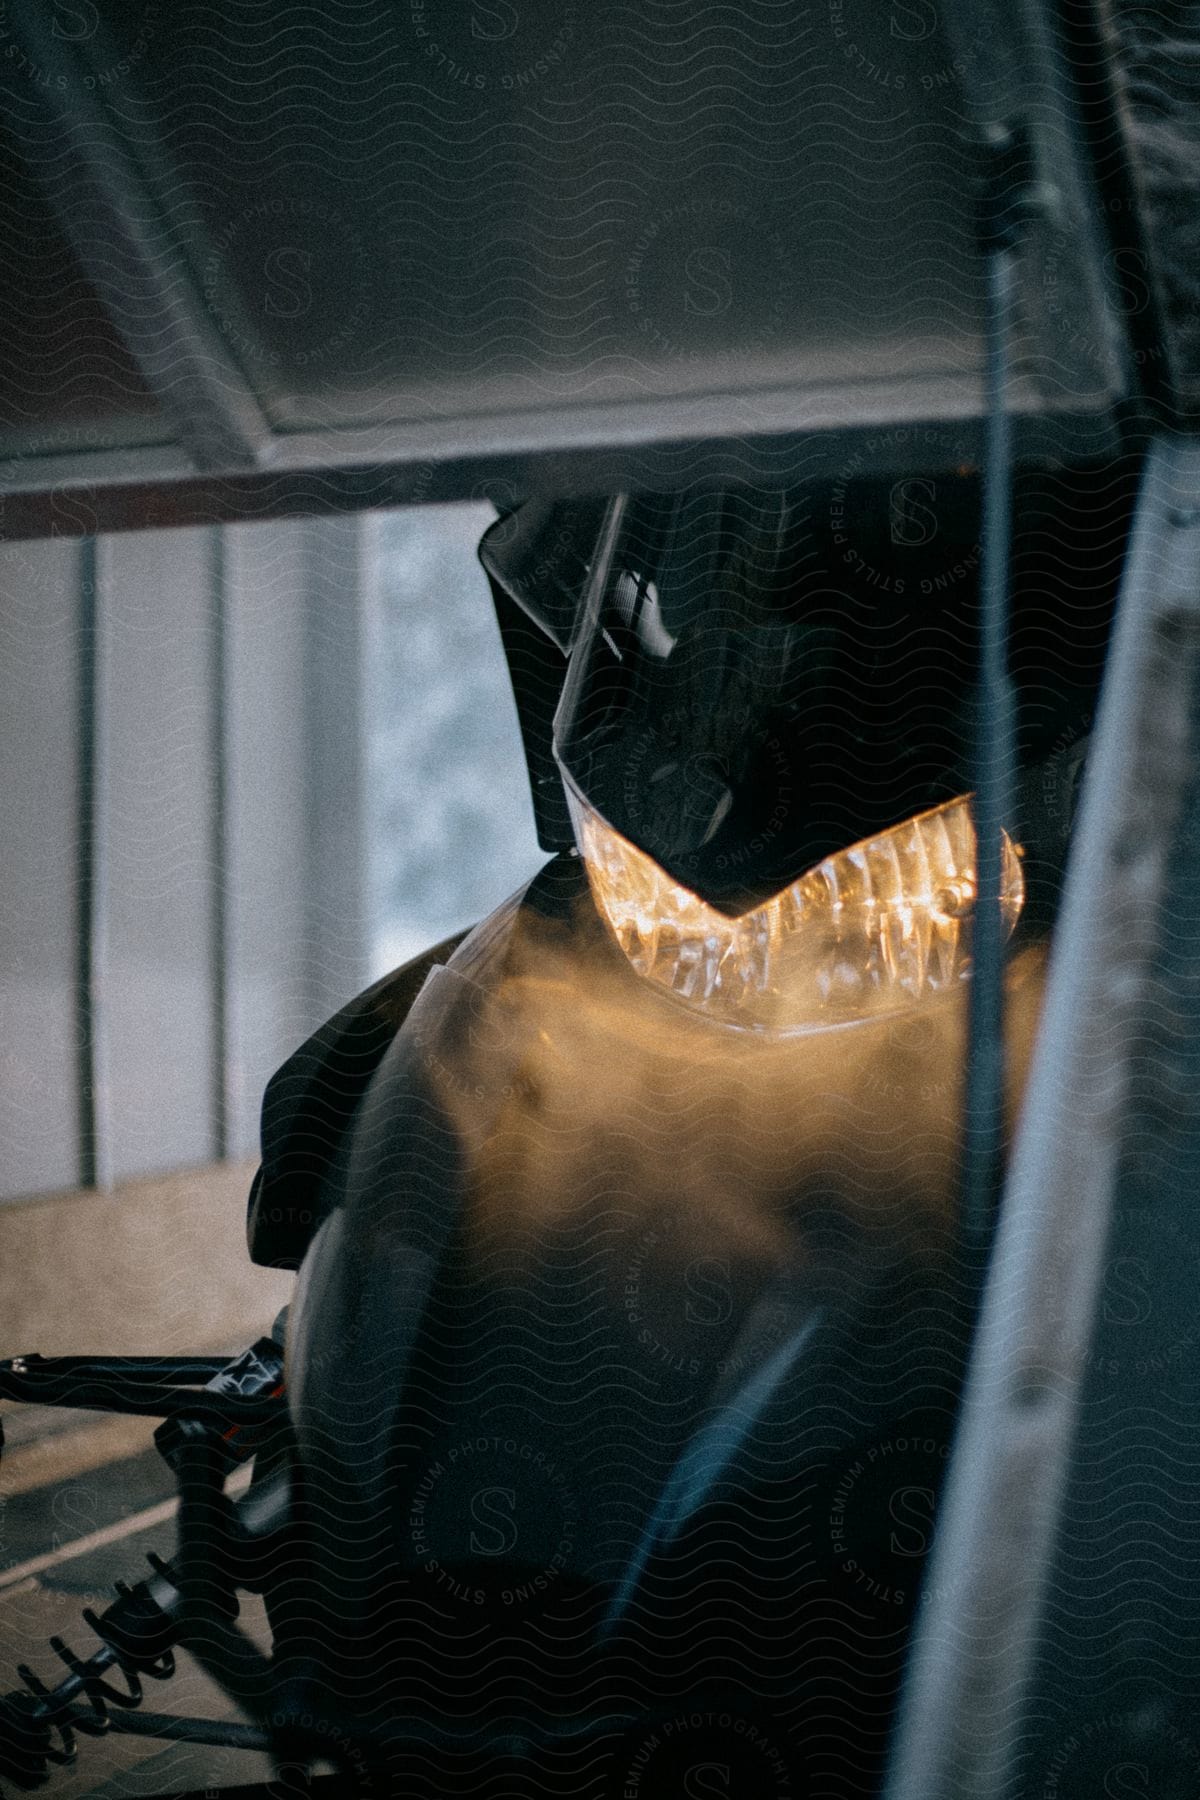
x=866 y=932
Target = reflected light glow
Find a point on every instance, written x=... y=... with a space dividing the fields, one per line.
x=868 y=931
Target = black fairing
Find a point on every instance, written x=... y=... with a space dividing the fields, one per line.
x=309 y=1104
x=759 y=680
x=617 y=1473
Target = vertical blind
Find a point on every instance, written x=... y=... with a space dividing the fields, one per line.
x=183 y=860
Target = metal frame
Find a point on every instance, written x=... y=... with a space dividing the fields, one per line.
x=658 y=445
x=1000 y=1529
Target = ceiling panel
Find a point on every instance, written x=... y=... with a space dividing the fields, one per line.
x=416 y=249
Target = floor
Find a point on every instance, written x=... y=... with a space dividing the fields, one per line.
x=80 y=1505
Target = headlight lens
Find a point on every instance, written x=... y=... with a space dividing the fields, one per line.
x=867 y=932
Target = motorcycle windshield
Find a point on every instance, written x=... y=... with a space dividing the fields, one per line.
x=738 y=711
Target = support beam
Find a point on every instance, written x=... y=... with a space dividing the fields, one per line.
x=105 y=208
x=1005 y=1614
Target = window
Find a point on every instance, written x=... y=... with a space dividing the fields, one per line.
x=450 y=821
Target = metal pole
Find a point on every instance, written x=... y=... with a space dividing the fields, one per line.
x=983 y=1111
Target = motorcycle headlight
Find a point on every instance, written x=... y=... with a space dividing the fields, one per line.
x=867 y=932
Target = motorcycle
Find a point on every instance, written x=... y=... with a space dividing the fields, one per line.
x=601 y=1446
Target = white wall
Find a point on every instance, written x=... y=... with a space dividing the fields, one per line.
x=183 y=866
